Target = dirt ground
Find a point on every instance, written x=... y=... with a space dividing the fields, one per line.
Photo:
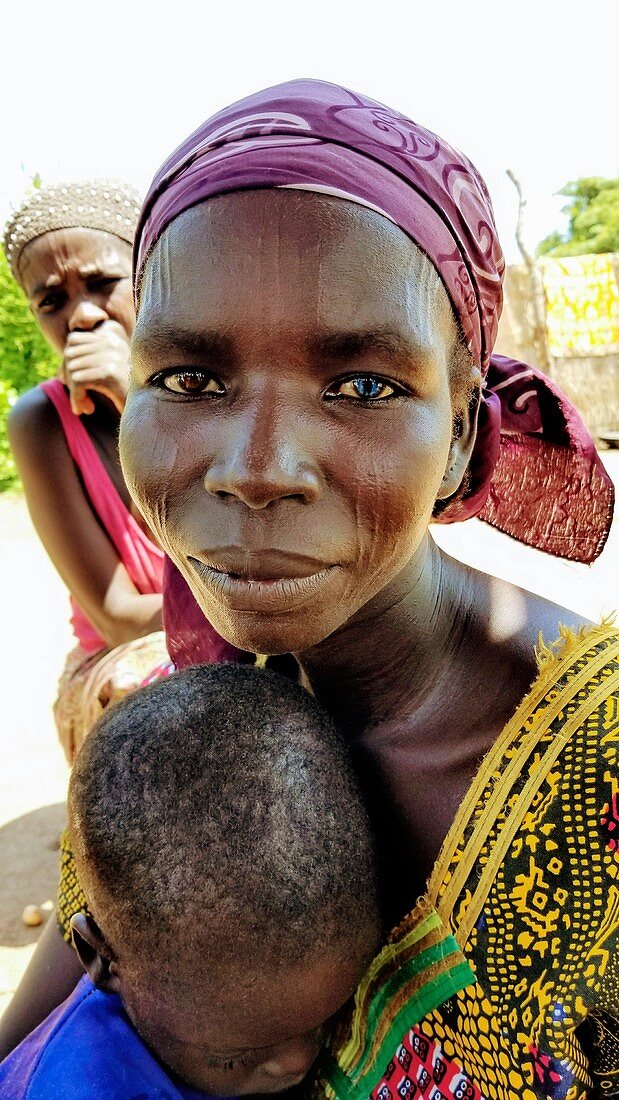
x=35 y=637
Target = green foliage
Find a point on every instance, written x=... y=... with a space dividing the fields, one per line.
x=25 y=359
x=593 y=214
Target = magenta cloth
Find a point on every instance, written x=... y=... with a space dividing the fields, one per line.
x=190 y=637
x=534 y=471
x=139 y=555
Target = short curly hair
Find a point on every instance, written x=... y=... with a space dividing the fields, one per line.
x=222 y=798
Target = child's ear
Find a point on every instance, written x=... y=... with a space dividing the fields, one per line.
x=94 y=953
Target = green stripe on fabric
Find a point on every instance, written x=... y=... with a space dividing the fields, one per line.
x=431 y=996
x=379 y=1005
x=387 y=956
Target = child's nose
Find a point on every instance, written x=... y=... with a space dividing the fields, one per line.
x=292 y=1059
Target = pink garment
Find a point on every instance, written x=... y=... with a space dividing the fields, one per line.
x=140 y=557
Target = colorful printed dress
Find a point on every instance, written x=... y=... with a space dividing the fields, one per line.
x=504 y=981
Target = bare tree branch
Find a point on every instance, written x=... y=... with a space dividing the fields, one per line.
x=539 y=334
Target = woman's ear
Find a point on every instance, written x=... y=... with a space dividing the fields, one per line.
x=94 y=953
x=464 y=433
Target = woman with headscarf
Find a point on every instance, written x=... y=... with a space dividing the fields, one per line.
x=318 y=282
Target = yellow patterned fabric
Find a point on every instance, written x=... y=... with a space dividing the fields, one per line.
x=71 y=898
x=582 y=305
x=527 y=884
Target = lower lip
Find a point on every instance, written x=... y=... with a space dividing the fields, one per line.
x=275 y=596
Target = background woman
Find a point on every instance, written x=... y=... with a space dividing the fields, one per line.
x=69 y=248
x=319 y=283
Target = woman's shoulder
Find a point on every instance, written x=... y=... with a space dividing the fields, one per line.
x=37 y=437
x=32 y=412
x=522 y=620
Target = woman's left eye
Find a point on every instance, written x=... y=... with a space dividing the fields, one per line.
x=105 y=282
x=363 y=387
x=189 y=382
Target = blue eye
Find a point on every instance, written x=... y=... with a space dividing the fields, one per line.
x=363 y=387
x=369 y=388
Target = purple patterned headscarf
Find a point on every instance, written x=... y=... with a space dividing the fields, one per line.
x=534 y=472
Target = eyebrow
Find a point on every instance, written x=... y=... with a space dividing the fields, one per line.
x=85 y=272
x=340 y=346
x=168 y=337
x=351 y=345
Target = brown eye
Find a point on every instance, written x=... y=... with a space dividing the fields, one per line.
x=190 y=382
x=50 y=303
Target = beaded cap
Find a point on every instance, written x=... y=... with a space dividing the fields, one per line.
x=107 y=205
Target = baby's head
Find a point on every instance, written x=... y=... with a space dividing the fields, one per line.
x=227 y=857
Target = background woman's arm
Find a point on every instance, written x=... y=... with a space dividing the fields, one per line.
x=52 y=974
x=69 y=530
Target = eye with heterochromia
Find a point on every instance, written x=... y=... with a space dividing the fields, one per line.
x=189 y=383
x=364 y=387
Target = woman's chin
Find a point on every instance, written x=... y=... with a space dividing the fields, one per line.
x=270 y=634
x=288 y=615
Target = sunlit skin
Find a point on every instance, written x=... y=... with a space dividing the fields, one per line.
x=289 y=427
x=253 y=1028
x=295 y=329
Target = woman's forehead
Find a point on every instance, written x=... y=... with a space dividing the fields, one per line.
x=301 y=257
x=76 y=247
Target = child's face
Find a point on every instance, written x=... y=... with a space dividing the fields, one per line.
x=249 y=1032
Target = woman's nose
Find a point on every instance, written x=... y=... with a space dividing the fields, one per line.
x=293 y=1059
x=261 y=460
x=86 y=316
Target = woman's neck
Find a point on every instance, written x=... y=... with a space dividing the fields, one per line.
x=391 y=658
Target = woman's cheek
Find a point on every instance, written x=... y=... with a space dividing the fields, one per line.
x=149 y=454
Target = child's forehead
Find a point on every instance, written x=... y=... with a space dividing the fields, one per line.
x=242 y=1010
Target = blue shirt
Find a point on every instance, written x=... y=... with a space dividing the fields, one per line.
x=88 y=1049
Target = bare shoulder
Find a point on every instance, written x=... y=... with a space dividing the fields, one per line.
x=550 y=619
x=513 y=618
x=33 y=425
x=510 y=622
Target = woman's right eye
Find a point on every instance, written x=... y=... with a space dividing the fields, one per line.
x=189 y=382
x=49 y=303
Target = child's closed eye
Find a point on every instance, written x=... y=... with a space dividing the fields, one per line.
x=237 y=1061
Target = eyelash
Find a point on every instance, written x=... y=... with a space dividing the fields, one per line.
x=160 y=379
x=49 y=305
x=228 y=1064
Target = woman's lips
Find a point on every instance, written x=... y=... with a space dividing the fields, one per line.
x=272 y=582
